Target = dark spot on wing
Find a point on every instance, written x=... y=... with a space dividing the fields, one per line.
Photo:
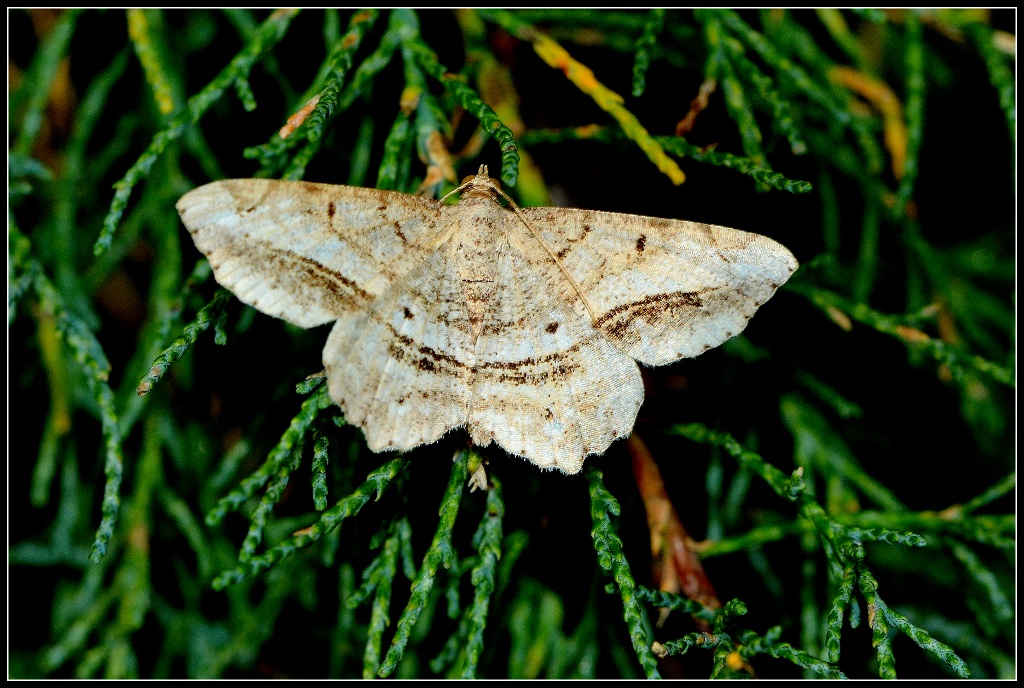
x=551 y=328
x=408 y=313
x=330 y=209
x=641 y=243
x=564 y=251
x=398 y=232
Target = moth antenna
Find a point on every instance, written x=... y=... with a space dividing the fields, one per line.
x=536 y=235
x=551 y=254
x=456 y=190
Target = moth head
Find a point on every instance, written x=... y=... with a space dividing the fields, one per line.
x=481 y=180
x=479 y=184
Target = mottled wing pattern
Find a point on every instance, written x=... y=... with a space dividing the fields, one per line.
x=660 y=289
x=308 y=253
x=547 y=386
x=463 y=316
x=401 y=368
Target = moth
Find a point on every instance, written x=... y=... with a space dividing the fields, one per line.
x=525 y=326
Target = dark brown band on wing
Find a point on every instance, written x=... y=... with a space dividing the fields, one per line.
x=650 y=308
x=315 y=272
x=558 y=365
x=405 y=349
